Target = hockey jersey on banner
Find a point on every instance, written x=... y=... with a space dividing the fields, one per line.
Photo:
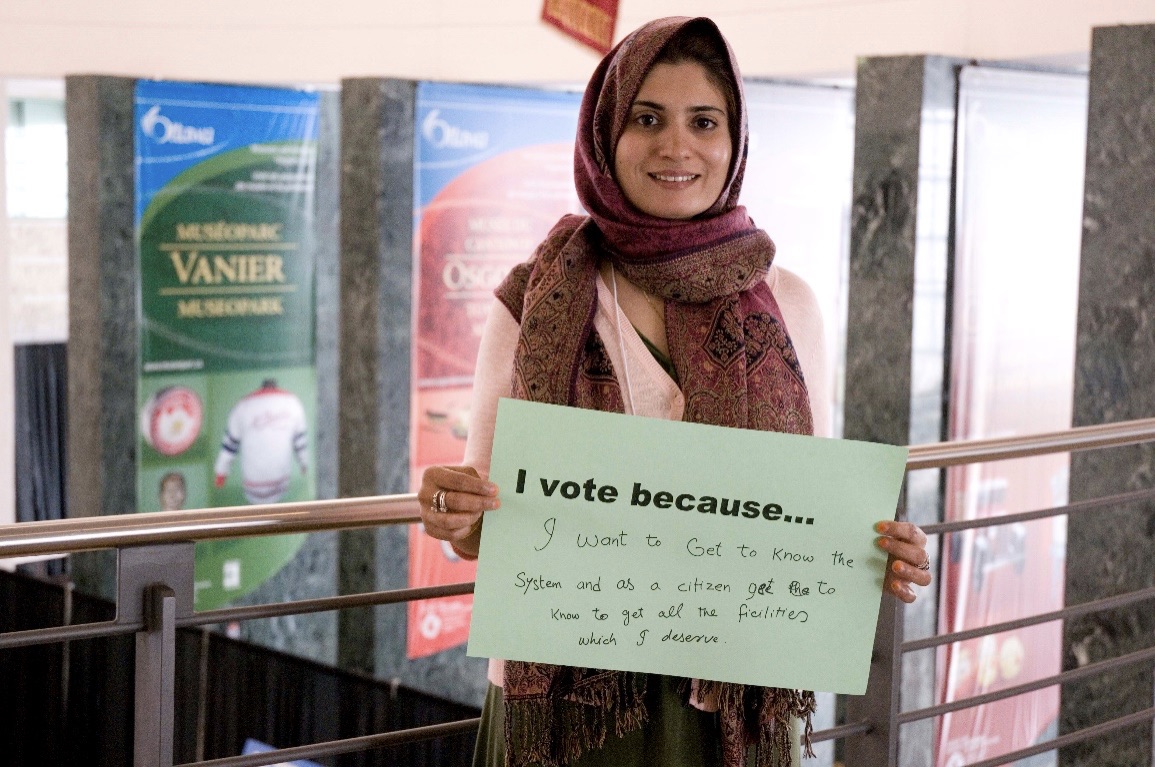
x=267 y=428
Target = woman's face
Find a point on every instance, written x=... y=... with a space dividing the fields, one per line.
x=673 y=157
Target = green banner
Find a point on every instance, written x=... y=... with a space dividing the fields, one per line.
x=227 y=386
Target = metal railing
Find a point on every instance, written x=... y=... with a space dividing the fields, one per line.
x=890 y=649
x=155 y=598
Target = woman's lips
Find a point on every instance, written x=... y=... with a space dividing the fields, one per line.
x=673 y=178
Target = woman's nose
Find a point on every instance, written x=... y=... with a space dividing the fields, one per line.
x=675 y=141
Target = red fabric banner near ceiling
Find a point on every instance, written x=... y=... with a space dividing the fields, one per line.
x=589 y=21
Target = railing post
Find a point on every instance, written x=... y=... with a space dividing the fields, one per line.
x=879 y=706
x=155 y=682
x=155 y=586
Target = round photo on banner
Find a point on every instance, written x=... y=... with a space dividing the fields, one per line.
x=1011 y=656
x=171 y=419
x=431 y=625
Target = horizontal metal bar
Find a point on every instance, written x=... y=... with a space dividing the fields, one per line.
x=67 y=633
x=1071 y=738
x=346 y=746
x=114 y=531
x=939 y=455
x=1077 y=507
x=842 y=731
x=324 y=604
x=1075 y=611
x=117 y=530
x=306 y=752
x=52 y=634
x=1074 y=675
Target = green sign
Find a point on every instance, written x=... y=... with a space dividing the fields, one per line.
x=700 y=551
x=227 y=276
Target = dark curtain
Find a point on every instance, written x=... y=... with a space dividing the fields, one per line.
x=285 y=701
x=86 y=719
x=47 y=717
x=41 y=426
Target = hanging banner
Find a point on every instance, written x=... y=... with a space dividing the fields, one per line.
x=1022 y=140
x=494 y=172
x=226 y=388
x=588 y=21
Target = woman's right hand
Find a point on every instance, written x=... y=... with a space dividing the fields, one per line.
x=467 y=497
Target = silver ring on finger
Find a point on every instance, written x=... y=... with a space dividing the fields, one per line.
x=439 y=502
x=925 y=565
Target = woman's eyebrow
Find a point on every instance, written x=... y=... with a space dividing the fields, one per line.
x=661 y=108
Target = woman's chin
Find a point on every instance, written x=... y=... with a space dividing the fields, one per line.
x=673 y=209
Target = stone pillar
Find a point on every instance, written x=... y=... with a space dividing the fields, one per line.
x=7 y=384
x=103 y=330
x=104 y=333
x=376 y=272
x=896 y=336
x=377 y=203
x=103 y=274
x=1112 y=552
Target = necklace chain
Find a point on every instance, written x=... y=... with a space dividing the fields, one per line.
x=655 y=305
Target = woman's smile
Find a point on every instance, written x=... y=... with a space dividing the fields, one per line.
x=673 y=157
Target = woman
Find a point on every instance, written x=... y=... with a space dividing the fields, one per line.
x=662 y=302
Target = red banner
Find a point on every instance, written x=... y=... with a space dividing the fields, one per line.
x=481 y=225
x=495 y=172
x=1020 y=150
x=589 y=21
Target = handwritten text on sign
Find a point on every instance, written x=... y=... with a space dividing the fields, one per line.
x=646 y=545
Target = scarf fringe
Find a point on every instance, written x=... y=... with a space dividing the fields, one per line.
x=555 y=731
x=761 y=715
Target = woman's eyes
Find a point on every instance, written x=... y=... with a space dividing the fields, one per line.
x=699 y=122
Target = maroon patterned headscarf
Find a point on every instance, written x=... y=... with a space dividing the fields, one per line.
x=606 y=105
x=736 y=367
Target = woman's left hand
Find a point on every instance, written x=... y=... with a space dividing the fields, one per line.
x=908 y=563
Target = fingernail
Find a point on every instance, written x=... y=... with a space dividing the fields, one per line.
x=897 y=567
x=882 y=527
x=491 y=489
